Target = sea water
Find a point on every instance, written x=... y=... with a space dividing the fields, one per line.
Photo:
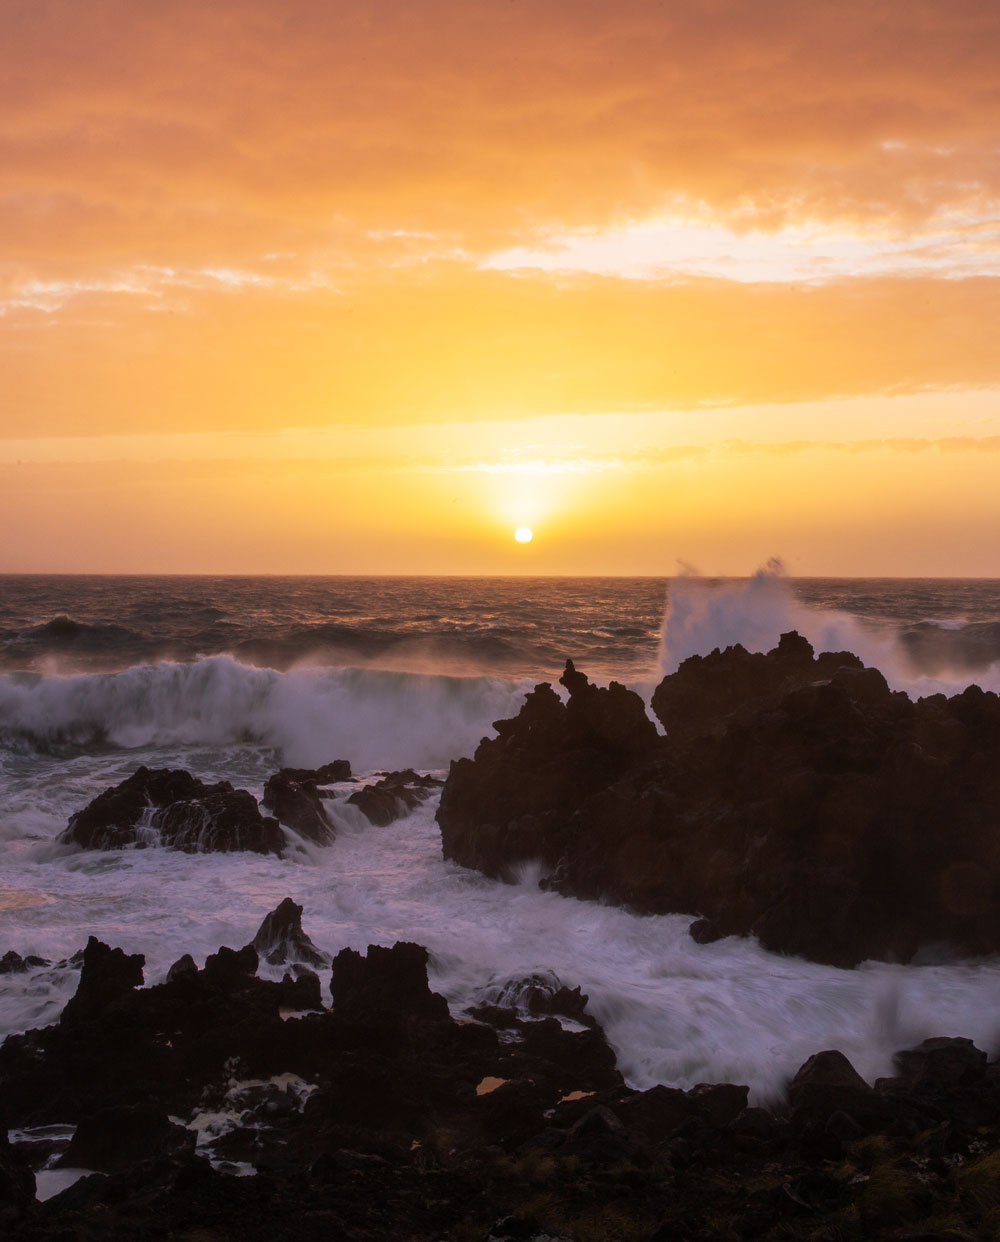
x=232 y=678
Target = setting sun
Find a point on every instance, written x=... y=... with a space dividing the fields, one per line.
x=523 y=534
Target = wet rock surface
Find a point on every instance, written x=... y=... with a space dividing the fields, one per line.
x=794 y=797
x=392 y=796
x=174 y=809
x=386 y=1117
x=297 y=805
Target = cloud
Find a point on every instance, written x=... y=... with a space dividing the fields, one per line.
x=181 y=132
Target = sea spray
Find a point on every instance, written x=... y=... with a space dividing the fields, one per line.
x=702 y=615
x=374 y=718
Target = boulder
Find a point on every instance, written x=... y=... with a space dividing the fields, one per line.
x=173 y=808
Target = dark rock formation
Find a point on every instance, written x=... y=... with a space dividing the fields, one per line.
x=516 y=799
x=328 y=774
x=396 y=794
x=280 y=938
x=292 y=795
x=14 y=964
x=385 y=985
x=112 y=1139
x=172 y=808
x=793 y=797
x=387 y=1118
x=17 y=1184
x=108 y=976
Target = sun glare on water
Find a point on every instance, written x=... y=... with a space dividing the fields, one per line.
x=523 y=534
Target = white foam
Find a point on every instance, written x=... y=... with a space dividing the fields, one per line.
x=375 y=718
x=755 y=612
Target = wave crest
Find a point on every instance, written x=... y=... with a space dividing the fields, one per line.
x=375 y=718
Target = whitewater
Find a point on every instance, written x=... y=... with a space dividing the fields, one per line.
x=233 y=678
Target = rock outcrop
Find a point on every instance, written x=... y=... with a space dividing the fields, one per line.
x=174 y=809
x=392 y=796
x=386 y=1117
x=793 y=797
x=280 y=938
x=292 y=795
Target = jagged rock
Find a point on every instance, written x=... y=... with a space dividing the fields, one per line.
x=280 y=938
x=172 y=808
x=355 y=1134
x=108 y=975
x=386 y=985
x=293 y=797
x=231 y=968
x=514 y=801
x=793 y=797
x=396 y=794
x=705 y=690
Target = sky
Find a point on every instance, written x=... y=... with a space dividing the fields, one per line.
x=315 y=287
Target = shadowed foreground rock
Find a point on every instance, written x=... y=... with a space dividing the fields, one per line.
x=386 y=1118
x=173 y=808
x=794 y=798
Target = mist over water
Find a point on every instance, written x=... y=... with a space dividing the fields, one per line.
x=925 y=657
x=432 y=665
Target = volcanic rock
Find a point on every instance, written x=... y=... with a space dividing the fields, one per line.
x=17 y=1183
x=514 y=801
x=396 y=794
x=293 y=796
x=114 y=1138
x=280 y=938
x=108 y=975
x=387 y=985
x=793 y=797
x=173 y=808
x=14 y=964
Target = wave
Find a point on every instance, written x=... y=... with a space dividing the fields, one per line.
x=66 y=645
x=375 y=718
x=924 y=658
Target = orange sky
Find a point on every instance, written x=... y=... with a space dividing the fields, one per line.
x=343 y=287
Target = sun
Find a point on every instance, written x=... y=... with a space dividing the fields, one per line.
x=523 y=534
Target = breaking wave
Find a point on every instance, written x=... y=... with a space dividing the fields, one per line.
x=376 y=718
x=923 y=658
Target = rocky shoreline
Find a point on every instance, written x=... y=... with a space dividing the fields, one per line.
x=218 y=1104
x=785 y=795
x=792 y=797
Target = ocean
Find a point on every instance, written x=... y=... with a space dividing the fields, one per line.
x=232 y=678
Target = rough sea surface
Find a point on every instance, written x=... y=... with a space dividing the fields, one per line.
x=233 y=677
